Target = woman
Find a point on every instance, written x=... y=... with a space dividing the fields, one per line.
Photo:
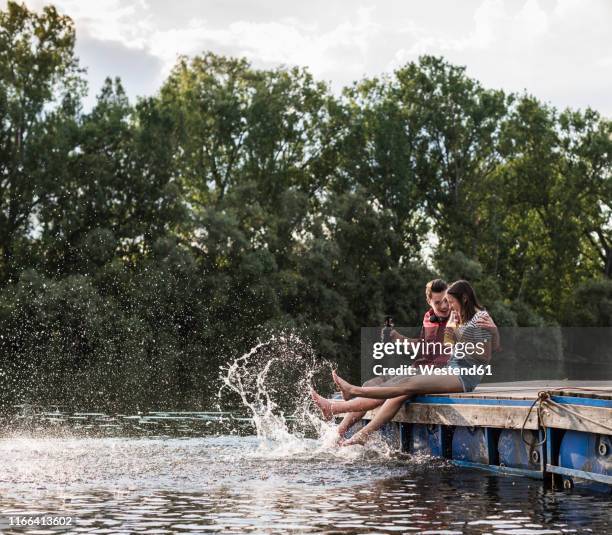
x=463 y=327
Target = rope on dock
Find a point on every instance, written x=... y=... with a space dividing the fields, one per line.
x=538 y=401
x=543 y=399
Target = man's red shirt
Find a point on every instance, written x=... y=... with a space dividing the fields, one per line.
x=433 y=331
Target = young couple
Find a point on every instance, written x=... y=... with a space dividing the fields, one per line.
x=455 y=317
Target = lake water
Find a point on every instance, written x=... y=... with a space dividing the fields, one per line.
x=205 y=473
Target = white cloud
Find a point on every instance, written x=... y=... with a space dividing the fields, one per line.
x=106 y=20
x=277 y=42
x=494 y=25
x=532 y=20
x=557 y=49
x=556 y=54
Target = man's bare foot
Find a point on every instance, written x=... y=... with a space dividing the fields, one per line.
x=344 y=386
x=358 y=438
x=324 y=404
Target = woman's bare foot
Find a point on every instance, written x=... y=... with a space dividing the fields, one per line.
x=345 y=395
x=344 y=386
x=342 y=431
x=358 y=438
x=324 y=404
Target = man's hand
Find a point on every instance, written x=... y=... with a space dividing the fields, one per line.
x=487 y=323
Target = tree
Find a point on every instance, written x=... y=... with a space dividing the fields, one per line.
x=39 y=83
x=587 y=145
x=119 y=188
x=457 y=125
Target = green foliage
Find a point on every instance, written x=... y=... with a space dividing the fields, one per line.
x=592 y=304
x=145 y=244
x=39 y=86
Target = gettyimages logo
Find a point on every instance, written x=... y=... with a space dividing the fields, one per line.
x=515 y=354
x=414 y=348
x=464 y=358
x=409 y=351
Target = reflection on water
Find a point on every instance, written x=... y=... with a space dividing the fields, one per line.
x=175 y=482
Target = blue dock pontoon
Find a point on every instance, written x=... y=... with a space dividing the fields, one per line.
x=558 y=431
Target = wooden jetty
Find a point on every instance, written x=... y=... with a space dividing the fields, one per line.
x=560 y=431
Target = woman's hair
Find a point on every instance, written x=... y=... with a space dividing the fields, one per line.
x=465 y=294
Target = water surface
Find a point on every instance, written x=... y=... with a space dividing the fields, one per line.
x=192 y=482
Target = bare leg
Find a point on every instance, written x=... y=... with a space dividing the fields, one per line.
x=376 y=381
x=348 y=420
x=345 y=396
x=425 y=384
x=385 y=414
x=351 y=417
x=343 y=385
x=430 y=384
x=329 y=407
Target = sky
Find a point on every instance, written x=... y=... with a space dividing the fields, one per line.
x=558 y=50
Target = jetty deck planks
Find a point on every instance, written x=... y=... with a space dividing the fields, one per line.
x=530 y=389
x=581 y=406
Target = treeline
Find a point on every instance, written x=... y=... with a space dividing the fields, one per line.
x=144 y=244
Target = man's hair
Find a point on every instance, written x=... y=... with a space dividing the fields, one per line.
x=436 y=285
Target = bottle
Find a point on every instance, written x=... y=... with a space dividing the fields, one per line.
x=387 y=329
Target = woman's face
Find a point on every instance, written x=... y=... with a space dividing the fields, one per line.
x=454 y=304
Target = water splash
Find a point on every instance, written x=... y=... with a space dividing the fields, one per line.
x=272 y=382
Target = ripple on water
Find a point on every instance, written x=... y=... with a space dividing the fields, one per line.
x=242 y=484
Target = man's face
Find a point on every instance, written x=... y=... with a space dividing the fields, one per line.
x=439 y=303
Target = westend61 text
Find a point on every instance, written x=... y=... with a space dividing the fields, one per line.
x=427 y=369
x=411 y=348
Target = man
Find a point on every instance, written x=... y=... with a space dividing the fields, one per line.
x=434 y=324
x=432 y=330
